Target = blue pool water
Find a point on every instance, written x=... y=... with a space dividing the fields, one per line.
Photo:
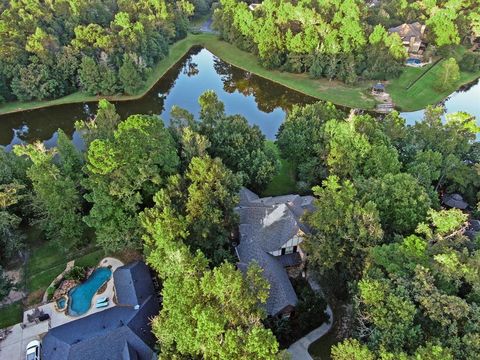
x=61 y=302
x=413 y=61
x=81 y=295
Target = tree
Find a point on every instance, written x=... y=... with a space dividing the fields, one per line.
x=401 y=201
x=102 y=126
x=130 y=76
x=220 y=313
x=56 y=200
x=5 y=284
x=448 y=76
x=121 y=178
x=301 y=138
x=188 y=203
x=11 y=239
x=351 y=349
x=343 y=229
x=89 y=75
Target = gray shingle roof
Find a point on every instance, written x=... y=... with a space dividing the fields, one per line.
x=265 y=225
x=120 y=332
x=130 y=286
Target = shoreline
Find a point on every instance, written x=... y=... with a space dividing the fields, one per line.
x=354 y=97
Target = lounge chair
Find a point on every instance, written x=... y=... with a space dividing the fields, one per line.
x=100 y=305
x=102 y=300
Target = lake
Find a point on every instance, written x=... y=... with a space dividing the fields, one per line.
x=261 y=101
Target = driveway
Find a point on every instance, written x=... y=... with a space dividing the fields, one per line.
x=15 y=344
x=299 y=349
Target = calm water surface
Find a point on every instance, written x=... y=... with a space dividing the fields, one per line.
x=262 y=102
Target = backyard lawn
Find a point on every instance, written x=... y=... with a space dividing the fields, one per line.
x=11 y=314
x=284 y=182
x=410 y=94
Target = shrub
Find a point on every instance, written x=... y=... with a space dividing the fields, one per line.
x=470 y=62
x=76 y=273
x=50 y=292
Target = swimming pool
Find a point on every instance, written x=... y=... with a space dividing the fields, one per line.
x=80 y=297
x=413 y=61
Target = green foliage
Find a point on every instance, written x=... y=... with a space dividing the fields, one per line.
x=343 y=229
x=130 y=76
x=301 y=139
x=56 y=196
x=76 y=273
x=121 y=177
x=219 y=314
x=45 y=48
x=102 y=126
x=401 y=201
x=449 y=75
x=11 y=239
x=5 y=284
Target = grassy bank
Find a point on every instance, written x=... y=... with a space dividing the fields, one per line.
x=341 y=94
x=410 y=94
x=284 y=182
x=418 y=96
x=177 y=51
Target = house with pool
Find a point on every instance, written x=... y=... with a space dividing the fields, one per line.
x=119 y=332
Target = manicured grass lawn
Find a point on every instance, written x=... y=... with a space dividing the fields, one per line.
x=423 y=92
x=284 y=182
x=11 y=314
x=90 y=259
x=351 y=96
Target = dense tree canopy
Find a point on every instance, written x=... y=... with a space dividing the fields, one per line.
x=108 y=45
x=123 y=172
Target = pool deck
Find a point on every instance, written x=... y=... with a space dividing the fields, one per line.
x=13 y=347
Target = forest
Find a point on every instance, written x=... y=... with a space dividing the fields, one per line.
x=380 y=239
x=54 y=48
x=345 y=40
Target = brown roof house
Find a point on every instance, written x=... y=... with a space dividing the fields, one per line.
x=413 y=37
x=270 y=235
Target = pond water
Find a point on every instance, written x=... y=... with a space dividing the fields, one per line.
x=466 y=99
x=80 y=297
x=262 y=102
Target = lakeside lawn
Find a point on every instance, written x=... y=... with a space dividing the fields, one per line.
x=421 y=94
x=334 y=91
x=408 y=97
x=284 y=182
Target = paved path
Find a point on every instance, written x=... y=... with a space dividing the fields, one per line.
x=299 y=349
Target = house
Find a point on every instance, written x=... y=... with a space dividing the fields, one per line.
x=120 y=332
x=270 y=233
x=413 y=37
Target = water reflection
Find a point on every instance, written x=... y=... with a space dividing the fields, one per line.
x=466 y=99
x=262 y=102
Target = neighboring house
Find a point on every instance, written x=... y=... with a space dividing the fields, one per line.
x=270 y=234
x=122 y=332
x=413 y=37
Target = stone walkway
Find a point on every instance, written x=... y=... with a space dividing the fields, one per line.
x=69 y=266
x=299 y=349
